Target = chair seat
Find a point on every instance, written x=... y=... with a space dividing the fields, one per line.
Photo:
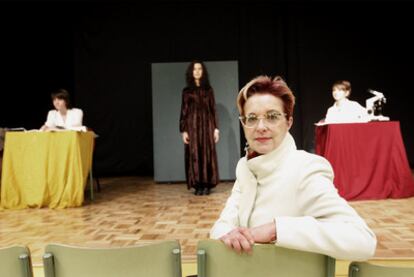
x=366 y=269
x=216 y=260
x=151 y=260
x=15 y=262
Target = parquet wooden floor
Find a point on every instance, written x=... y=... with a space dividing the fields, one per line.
x=135 y=210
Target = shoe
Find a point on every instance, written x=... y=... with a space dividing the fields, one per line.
x=207 y=191
x=198 y=192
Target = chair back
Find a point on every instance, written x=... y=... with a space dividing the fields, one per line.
x=15 y=261
x=215 y=259
x=150 y=260
x=366 y=269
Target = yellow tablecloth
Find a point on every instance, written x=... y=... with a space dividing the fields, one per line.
x=45 y=169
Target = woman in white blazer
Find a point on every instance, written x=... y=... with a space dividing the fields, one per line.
x=63 y=116
x=283 y=195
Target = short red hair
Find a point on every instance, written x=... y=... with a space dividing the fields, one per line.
x=266 y=85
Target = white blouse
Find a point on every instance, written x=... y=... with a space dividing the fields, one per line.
x=74 y=118
x=348 y=112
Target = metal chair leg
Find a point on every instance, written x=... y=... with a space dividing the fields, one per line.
x=98 y=185
x=91 y=184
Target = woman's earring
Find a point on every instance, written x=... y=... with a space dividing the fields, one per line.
x=246 y=147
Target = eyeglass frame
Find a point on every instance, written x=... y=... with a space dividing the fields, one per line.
x=262 y=117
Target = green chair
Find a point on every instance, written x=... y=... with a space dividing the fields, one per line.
x=366 y=269
x=151 y=260
x=214 y=259
x=15 y=262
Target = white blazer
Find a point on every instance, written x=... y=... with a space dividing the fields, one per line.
x=295 y=189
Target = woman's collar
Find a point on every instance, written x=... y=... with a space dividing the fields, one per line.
x=262 y=165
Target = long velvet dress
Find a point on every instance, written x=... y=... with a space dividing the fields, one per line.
x=198 y=118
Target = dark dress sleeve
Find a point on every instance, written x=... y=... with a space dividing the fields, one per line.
x=212 y=104
x=184 y=112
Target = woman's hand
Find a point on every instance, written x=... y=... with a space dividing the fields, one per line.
x=264 y=233
x=186 y=138
x=216 y=135
x=239 y=240
x=44 y=128
x=242 y=239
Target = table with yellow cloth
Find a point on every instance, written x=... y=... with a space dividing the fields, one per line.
x=45 y=169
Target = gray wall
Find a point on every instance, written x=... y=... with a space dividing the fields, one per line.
x=168 y=80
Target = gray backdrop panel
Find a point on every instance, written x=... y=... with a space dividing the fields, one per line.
x=168 y=80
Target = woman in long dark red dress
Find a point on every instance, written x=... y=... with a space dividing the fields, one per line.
x=199 y=130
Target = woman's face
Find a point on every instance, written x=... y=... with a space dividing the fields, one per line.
x=339 y=94
x=197 y=71
x=267 y=135
x=59 y=104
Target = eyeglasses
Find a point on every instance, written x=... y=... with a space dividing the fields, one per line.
x=271 y=118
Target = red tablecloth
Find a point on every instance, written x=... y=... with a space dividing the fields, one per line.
x=369 y=159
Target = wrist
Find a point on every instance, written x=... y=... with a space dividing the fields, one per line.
x=273 y=233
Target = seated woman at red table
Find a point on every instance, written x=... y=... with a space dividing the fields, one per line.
x=344 y=110
x=63 y=116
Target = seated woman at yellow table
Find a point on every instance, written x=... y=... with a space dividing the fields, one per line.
x=64 y=116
